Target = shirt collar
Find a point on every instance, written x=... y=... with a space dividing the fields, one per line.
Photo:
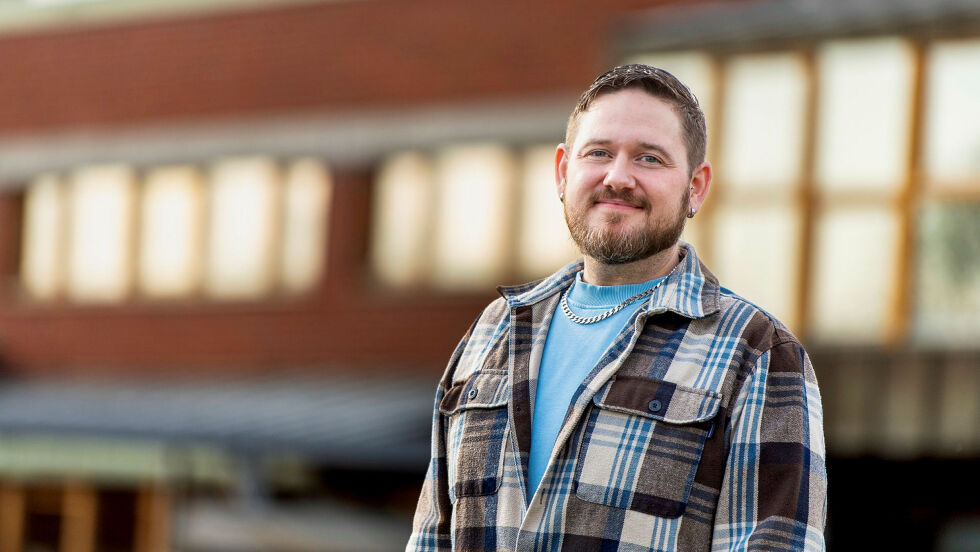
x=690 y=289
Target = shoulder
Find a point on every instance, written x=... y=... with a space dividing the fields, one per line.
x=484 y=335
x=757 y=328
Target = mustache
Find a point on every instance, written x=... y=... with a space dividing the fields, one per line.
x=627 y=195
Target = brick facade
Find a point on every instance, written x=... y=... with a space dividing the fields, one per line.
x=329 y=57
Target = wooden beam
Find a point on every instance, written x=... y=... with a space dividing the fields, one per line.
x=12 y=518
x=716 y=196
x=79 y=513
x=905 y=266
x=153 y=506
x=806 y=199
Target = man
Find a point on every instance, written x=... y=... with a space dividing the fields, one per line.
x=627 y=402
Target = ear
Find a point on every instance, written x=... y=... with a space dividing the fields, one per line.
x=701 y=182
x=561 y=168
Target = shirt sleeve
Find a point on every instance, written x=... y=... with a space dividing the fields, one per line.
x=773 y=494
x=432 y=525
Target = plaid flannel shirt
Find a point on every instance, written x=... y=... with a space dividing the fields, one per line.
x=699 y=429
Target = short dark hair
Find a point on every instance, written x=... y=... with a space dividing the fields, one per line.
x=659 y=84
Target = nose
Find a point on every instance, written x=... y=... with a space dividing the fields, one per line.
x=619 y=175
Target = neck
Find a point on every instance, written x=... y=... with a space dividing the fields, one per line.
x=636 y=272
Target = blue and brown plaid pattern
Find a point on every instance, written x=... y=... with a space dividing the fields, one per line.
x=699 y=429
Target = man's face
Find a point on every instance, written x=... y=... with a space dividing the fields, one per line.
x=625 y=178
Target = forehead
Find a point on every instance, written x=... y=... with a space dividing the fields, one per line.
x=629 y=116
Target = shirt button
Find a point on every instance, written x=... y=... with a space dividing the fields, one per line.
x=654 y=405
x=471 y=394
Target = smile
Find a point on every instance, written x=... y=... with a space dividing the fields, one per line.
x=618 y=204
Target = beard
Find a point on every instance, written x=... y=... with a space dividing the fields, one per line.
x=610 y=244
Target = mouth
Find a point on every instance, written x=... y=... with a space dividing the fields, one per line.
x=618 y=204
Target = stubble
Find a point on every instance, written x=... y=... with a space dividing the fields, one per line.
x=611 y=243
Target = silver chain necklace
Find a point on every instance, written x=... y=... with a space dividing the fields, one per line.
x=602 y=316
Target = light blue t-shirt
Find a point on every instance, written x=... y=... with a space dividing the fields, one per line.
x=570 y=352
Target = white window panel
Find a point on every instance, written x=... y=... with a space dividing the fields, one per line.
x=855 y=269
x=474 y=187
x=544 y=243
x=864 y=114
x=41 y=249
x=402 y=214
x=764 y=116
x=306 y=203
x=953 y=114
x=947 y=294
x=757 y=254
x=243 y=207
x=171 y=236
x=101 y=233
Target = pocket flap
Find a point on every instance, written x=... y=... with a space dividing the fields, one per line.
x=660 y=400
x=484 y=389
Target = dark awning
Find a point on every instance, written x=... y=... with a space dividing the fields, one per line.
x=763 y=23
x=369 y=422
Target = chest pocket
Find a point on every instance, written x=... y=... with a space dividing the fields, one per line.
x=477 y=428
x=642 y=445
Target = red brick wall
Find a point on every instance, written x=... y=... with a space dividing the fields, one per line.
x=334 y=55
x=330 y=56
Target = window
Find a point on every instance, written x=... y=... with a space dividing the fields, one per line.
x=239 y=254
x=474 y=191
x=100 y=229
x=240 y=229
x=846 y=197
x=170 y=241
x=864 y=117
x=947 y=291
x=756 y=230
x=42 y=262
x=468 y=217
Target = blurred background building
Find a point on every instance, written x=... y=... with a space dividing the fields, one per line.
x=240 y=238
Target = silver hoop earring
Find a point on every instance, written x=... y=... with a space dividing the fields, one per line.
x=691 y=214
x=561 y=197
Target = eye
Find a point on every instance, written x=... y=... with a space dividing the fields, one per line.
x=651 y=159
x=597 y=154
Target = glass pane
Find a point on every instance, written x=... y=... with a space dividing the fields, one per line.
x=953 y=113
x=402 y=219
x=100 y=233
x=864 y=115
x=544 y=244
x=764 y=116
x=948 y=283
x=41 y=259
x=855 y=270
x=756 y=253
x=244 y=196
x=306 y=204
x=171 y=238
x=693 y=69
x=474 y=197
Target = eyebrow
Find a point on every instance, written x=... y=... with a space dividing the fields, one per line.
x=643 y=145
